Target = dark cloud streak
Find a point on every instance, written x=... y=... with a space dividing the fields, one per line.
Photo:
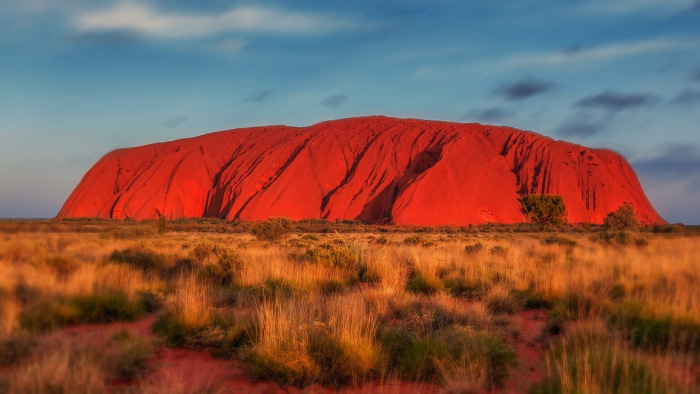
x=493 y=114
x=616 y=101
x=678 y=161
x=583 y=125
x=524 y=89
x=334 y=100
x=687 y=96
x=259 y=97
x=174 y=122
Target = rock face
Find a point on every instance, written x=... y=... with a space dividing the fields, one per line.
x=375 y=169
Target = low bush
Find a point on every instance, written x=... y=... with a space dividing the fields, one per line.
x=499 y=251
x=559 y=240
x=223 y=271
x=107 y=307
x=501 y=301
x=129 y=359
x=413 y=240
x=420 y=283
x=139 y=257
x=460 y=286
x=434 y=358
x=272 y=229
x=474 y=248
x=655 y=332
x=66 y=369
x=16 y=347
x=588 y=360
x=62 y=265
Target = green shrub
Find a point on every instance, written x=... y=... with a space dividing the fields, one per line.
x=107 y=307
x=129 y=360
x=592 y=362
x=139 y=257
x=624 y=218
x=544 y=209
x=332 y=286
x=499 y=251
x=223 y=271
x=15 y=348
x=367 y=275
x=61 y=264
x=413 y=240
x=423 y=284
x=501 y=302
x=474 y=248
x=425 y=358
x=459 y=286
x=559 y=240
x=46 y=315
x=272 y=229
x=339 y=257
x=171 y=329
x=152 y=302
x=655 y=332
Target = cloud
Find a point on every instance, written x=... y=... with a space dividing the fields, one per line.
x=579 y=53
x=174 y=122
x=687 y=96
x=232 y=45
x=334 y=100
x=148 y=21
x=695 y=76
x=677 y=161
x=259 y=97
x=523 y=89
x=619 y=7
x=583 y=125
x=113 y=38
x=488 y=114
x=615 y=101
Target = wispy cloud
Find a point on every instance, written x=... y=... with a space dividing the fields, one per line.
x=687 y=96
x=617 y=7
x=334 y=100
x=149 y=21
x=598 y=53
x=492 y=114
x=523 y=89
x=583 y=125
x=616 y=101
x=174 y=121
x=258 y=97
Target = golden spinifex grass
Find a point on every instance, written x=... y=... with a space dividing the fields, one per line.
x=347 y=309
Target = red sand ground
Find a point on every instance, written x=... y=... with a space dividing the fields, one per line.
x=184 y=370
x=375 y=169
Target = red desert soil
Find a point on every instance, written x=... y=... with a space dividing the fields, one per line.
x=188 y=369
x=376 y=169
x=531 y=366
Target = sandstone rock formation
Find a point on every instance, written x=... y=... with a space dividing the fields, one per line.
x=375 y=169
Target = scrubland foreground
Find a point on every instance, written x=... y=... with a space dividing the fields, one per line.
x=120 y=307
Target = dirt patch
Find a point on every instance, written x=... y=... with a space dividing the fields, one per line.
x=530 y=353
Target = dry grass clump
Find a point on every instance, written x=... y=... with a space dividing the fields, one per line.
x=300 y=342
x=65 y=369
x=187 y=312
x=590 y=360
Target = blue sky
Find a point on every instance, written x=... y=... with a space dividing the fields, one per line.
x=79 y=78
